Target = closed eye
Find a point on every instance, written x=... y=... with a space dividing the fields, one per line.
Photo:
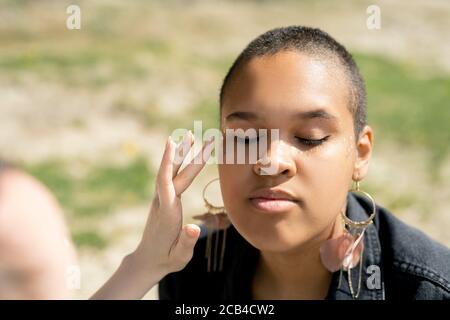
x=303 y=141
x=247 y=140
x=312 y=142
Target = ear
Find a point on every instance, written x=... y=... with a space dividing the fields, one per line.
x=364 y=147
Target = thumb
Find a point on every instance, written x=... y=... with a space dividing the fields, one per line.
x=184 y=248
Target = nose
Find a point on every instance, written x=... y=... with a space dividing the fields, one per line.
x=277 y=161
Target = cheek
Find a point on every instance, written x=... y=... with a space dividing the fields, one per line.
x=328 y=169
x=233 y=182
x=332 y=159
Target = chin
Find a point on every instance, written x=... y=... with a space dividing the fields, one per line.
x=273 y=244
x=272 y=238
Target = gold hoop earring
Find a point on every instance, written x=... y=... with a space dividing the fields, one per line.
x=360 y=224
x=356 y=230
x=215 y=220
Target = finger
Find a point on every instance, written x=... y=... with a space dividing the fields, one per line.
x=184 y=248
x=165 y=187
x=182 y=151
x=184 y=179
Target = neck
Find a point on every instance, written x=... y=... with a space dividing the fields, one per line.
x=298 y=274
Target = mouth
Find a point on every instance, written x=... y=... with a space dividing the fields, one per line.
x=273 y=200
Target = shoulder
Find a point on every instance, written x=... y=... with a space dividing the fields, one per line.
x=417 y=265
x=33 y=234
x=21 y=196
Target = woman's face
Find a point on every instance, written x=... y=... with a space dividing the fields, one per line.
x=305 y=99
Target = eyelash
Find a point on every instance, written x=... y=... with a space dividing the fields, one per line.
x=304 y=141
x=312 y=142
x=247 y=140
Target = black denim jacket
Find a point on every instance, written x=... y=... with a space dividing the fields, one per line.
x=399 y=263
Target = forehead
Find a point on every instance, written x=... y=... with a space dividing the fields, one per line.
x=290 y=82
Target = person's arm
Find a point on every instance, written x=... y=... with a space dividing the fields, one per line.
x=165 y=246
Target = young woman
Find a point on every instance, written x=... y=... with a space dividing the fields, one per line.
x=296 y=232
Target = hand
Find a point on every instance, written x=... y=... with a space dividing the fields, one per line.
x=166 y=246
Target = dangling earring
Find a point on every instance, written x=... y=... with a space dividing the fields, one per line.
x=346 y=251
x=215 y=219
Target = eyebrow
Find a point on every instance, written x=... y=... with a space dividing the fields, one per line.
x=319 y=113
x=242 y=115
x=305 y=115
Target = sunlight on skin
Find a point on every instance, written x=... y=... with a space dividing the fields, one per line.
x=313 y=97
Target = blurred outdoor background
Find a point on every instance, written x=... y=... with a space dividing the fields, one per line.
x=88 y=111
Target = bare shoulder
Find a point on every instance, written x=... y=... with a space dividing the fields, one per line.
x=23 y=197
x=34 y=239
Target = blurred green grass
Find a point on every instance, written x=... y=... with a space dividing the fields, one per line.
x=89 y=239
x=96 y=193
x=91 y=66
x=408 y=105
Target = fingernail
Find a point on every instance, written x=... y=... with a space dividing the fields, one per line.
x=170 y=141
x=192 y=230
x=187 y=135
x=184 y=140
x=208 y=151
x=209 y=144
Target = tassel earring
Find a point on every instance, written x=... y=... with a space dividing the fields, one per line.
x=346 y=251
x=216 y=222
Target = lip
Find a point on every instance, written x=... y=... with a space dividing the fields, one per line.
x=273 y=200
